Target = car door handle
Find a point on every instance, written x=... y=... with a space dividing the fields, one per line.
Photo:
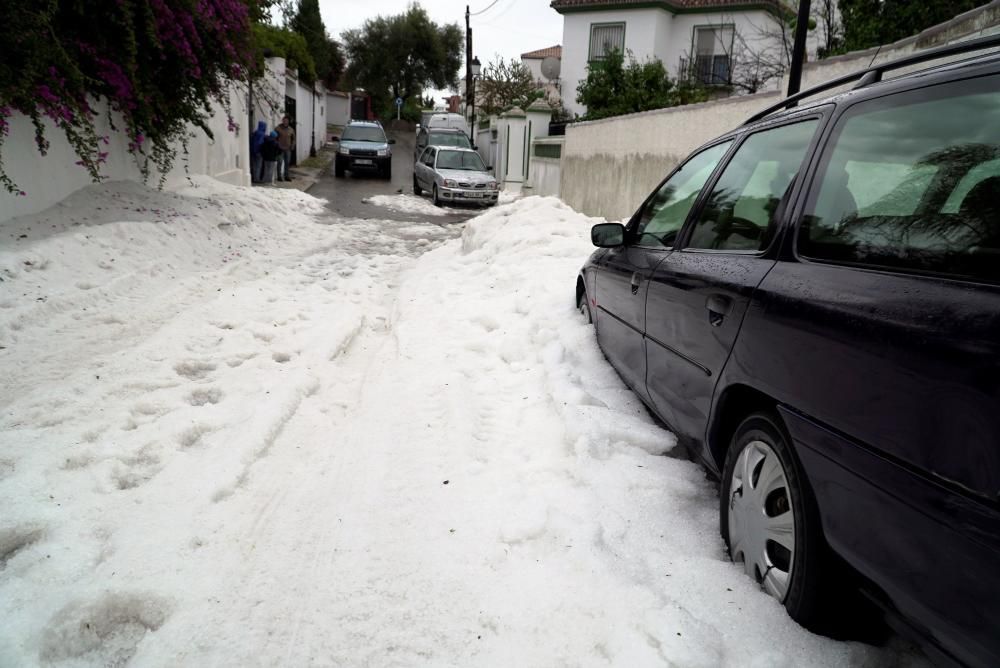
x=719 y=306
x=635 y=282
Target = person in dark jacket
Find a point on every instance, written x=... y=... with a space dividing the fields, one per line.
x=256 y=160
x=269 y=152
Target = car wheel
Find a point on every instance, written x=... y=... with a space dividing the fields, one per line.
x=416 y=186
x=583 y=306
x=769 y=519
x=338 y=170
x=434 y=196
x=387 y=173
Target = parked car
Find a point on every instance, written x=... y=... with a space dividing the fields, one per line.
x=446 y=120
x=364 y=147
x=454 y=175
x=812 y=303
x=439 y=137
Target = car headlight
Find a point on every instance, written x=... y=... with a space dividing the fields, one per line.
x=382 y=152
x=492 y=185
x=345 y=151
x=449 y=183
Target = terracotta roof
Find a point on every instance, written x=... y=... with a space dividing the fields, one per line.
x=550 y=52
x=669 y=5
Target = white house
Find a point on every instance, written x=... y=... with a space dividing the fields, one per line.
x=715 y=41
x=533 y=60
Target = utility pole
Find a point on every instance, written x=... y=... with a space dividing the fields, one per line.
x=468 y=60
x=798 y=48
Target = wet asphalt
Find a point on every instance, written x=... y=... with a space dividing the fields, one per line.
x=345 y=196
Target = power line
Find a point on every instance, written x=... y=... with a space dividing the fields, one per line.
x=483 y=11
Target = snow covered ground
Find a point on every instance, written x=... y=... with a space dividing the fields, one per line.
x=235 y=431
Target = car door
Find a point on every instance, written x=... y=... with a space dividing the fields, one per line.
x=698 y=295
x=888 y=353
x=425 y=168
x=619 y=301
x=421 y=144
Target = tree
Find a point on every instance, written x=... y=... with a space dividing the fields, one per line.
x=506 y=84
x=398 y=56
x=307 y=22
x=612 y=88
x=159 y=66
x=869 y=23
x=335 y=68
x=272 y=41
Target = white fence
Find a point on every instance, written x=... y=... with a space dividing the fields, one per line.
x=546 y=166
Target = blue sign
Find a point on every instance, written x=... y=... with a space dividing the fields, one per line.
x=399 y=102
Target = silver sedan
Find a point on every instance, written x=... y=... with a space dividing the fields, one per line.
x=454 y=175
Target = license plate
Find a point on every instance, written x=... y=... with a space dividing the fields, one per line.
x=362 y=161
x=475 y=195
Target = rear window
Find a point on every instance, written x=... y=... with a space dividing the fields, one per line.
x=449 y=139
x=912 y=181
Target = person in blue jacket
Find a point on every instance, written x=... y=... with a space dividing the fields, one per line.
x=256 y=159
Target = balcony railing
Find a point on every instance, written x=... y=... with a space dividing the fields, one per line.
x=708 y=70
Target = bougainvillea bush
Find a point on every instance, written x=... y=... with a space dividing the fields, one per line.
x=159 y=64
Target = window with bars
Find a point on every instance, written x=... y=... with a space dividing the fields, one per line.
x=604 y=38
x=711 y=63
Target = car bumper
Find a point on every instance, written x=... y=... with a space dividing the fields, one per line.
x=357 y=162
x=480 y=196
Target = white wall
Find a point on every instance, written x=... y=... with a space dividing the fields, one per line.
x=48 y=179
x=657 y=33
x=757 y=28
x=318 y=106
x=338 y=109
x=269 y=94
x=609 y=166
x=641 y=26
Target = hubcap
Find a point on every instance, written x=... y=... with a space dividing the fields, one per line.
x=761 y=520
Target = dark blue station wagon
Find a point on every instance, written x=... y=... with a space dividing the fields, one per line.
x=812 y=303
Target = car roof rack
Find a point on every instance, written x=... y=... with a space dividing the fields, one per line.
x=871 y=75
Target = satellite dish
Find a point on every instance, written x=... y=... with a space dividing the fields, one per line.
x=550 y=67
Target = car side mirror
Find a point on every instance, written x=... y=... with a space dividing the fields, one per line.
x=608 y=235
x=392 y=141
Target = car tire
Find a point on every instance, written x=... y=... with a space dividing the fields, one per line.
x=416 y=186
x=434 y=196
x=387 y=172
x=765 y=495
x=338 y=170
x=583 y=306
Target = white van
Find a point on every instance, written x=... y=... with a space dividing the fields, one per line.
x=447 y=120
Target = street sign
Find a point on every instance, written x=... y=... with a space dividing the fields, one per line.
x=399 y=102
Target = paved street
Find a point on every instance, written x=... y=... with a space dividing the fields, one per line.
x=346 y=196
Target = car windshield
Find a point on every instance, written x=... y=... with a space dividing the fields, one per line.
x=465 y=160
x=449 y=139
x=363 y=133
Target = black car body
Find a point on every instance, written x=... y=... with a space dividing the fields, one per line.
x=835 y=268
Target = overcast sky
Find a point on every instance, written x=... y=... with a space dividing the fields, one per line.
x=508 y=28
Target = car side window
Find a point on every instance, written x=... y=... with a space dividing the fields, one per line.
x=911 y=181
x=663 y=216
x=739 y=214
x=429 y=157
